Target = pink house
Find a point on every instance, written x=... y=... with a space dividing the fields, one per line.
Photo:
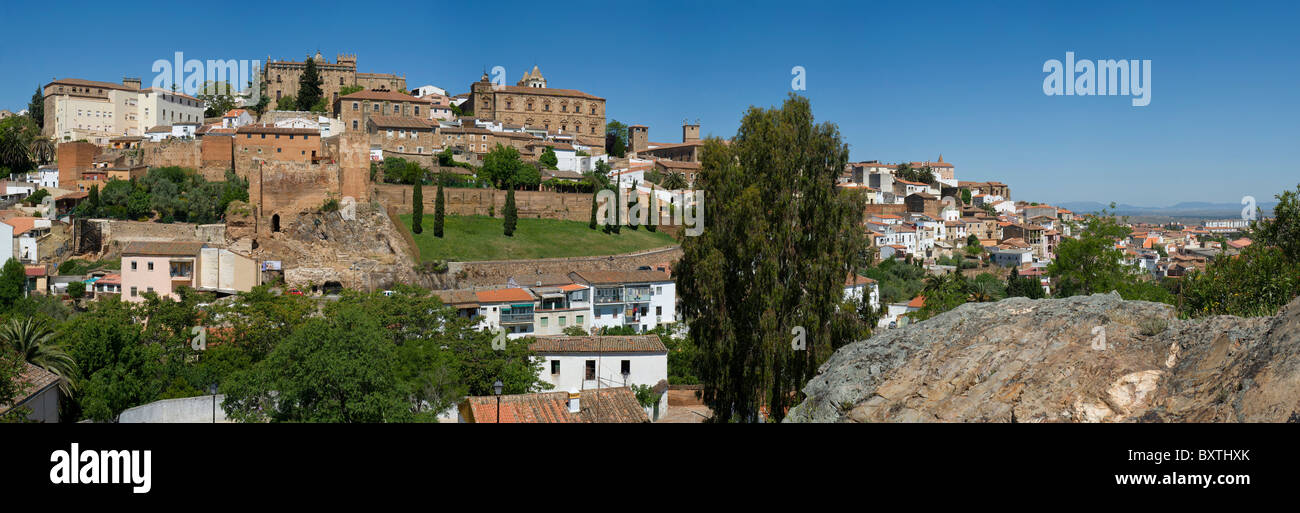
x=158 y=267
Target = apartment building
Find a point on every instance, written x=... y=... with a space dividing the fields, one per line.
x=641 y=299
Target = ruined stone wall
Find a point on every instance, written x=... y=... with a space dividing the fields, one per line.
x=216 y=155
x=496 y=272
x=464 y=202
x=173 y=152
x=99 y=235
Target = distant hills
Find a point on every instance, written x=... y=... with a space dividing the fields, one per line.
x=1183 y=209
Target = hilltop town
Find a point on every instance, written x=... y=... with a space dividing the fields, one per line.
x=333 y=186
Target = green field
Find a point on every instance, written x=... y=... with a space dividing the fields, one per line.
x=468 y=238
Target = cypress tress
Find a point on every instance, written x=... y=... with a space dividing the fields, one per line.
x=512 y=216
x=592 y=224
x=417 y=208
x=438 y=211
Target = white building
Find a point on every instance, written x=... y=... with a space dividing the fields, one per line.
x=510 y=309
x=581 y=363
x=236 y=118
x=642 y=299
x=1010 y=257
x=158 y=107
x=855 y=286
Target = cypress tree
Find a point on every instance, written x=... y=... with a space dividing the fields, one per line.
x=592 y=224
x=417 y=208
x=511 y=215
x=438 y=211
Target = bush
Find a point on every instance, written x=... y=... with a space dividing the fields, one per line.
x=1152 y=326
x=330 y=205
x=76 y=289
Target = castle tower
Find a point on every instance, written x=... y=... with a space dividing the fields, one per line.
x=690 y=132
x=638 y=138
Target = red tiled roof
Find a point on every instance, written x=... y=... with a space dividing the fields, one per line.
x=593 y=344
x=605 y=405
x=612 y=277
x=503 y=295
x=916 y=302
x=857 y=279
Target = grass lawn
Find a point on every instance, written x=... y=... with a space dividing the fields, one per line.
x=469 y=238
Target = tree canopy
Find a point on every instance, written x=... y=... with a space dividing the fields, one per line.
x=778 y=242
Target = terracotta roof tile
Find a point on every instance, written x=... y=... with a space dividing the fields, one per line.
x=593 y=344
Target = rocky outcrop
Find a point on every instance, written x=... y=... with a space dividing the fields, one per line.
x=1082 y=359
x=364 y=252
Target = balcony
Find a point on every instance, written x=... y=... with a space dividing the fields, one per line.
x=517 y=318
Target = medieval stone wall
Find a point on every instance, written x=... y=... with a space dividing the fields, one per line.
x=493 y=273
x=464 y=202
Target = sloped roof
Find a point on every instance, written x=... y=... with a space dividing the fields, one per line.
x=605 y=405
x=163 y=248
x=613 y=277
x=593 y=344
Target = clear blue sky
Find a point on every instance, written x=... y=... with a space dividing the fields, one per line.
x=903 y=82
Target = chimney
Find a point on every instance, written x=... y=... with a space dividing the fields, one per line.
x=574 y=402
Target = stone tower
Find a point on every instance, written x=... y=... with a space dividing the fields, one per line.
x=690 y=132
x=638 y=138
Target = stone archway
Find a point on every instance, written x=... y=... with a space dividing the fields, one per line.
x=275 y=223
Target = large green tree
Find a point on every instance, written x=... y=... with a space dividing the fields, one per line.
x=309 y=87
x=335 y=369
x=616 y=138
x=778 y=241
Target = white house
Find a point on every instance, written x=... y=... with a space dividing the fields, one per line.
x=510 y=309
x=584 y=363
x=642 y=299
x=236 y=118
x=1010 y=257
x=857 y=285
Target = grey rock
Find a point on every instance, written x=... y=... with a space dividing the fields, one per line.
x=1078 y=359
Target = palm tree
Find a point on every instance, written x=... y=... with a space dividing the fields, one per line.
x=34 y=340
x=42 y=149
x=675 y=180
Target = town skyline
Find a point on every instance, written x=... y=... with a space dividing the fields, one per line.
x=968 y=87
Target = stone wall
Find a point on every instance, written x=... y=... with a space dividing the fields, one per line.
x=211 y=156
x=463 y=202
x=100 y=235
x=495 y=272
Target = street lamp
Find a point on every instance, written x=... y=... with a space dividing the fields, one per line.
x=212 y=389
x=496 y=390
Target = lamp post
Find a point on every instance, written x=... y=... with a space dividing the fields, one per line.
x=496 y=390
x=212 y=389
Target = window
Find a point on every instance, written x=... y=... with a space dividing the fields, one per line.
x=563 y=319
x=625 y=367
x=150 y=266
x=134 y=292
x=555 y=366
x=354 y=124
x=578 y=320
x=659 y=310
x=133 y=264
x=149 y=289
x=591 y=370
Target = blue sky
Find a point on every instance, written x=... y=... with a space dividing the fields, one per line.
x=903 y=82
